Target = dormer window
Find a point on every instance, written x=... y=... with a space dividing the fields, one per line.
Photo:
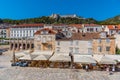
x=115 y=27
x=44 y=32
x=49 y=38
x=103 y=35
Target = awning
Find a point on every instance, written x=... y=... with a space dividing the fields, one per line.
x=19 y=54
x=26 y=51
x=40 y=57
x=115 y=57
x=28 y=57
x=84 y=59
x=102 y=59
x=60 y=58
x=38 y=52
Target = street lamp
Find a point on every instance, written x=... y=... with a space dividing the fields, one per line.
x=14 y=54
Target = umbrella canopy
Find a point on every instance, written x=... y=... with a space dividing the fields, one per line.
x=28 y=57
x=40 y=57
x=83 y=59
x=60 y=58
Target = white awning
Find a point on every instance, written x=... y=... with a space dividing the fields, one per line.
x=60 y=58
x=107 y=60
x=115 y=57
x=38 y=52
x=85 y=59
x=40 y=57
x=28 y=57
x=19 y=54
x=103 y=59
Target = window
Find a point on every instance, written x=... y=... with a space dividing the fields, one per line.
x=71 y=42
x=99 y=48
x=58 y=43
x=38 y=47
x=88 y=29
x=76 y=50
x=108 y=48
x=44 y=32
x=58 y=49
x=50 y=47
x=96 y=30
x=91 y=29
x=103 y=35
x=38 y=38
x=49 y=38
x=70 y=49
x=108 y=40
x=89 y=50
x=89 y=43
x=44 y=39
x=99 y=40
x=77 y=42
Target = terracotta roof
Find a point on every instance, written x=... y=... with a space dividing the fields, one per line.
x=45 y=29
x=91 y=25
x=113 y=27
x=28 y=25
x=76 y=25
x=59 y=24
x=84 y=36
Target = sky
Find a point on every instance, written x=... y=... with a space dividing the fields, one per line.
x=21 y=9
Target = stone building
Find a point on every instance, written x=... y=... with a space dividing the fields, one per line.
x=87 y=43
x=44 y=40
x=21 y=44
x=104 y=44
x=24 y=30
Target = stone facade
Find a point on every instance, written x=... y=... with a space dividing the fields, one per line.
x=24 y=30
x=21 y=44
x=74 y=46
x=104 y=46
x=44 y=40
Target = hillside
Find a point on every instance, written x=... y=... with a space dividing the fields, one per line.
x=113 y=20
x=68 y=20
x=49 y=20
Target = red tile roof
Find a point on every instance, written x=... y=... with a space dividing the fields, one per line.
x=76 y=25
x=113 y=27
x=84 y=36
x=92 y=25
x=28 y=25
x=50 y=31
x=59 y=25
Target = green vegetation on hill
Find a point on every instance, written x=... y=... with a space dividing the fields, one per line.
x=115 y=20
x=49 y=20
x=59 y=20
